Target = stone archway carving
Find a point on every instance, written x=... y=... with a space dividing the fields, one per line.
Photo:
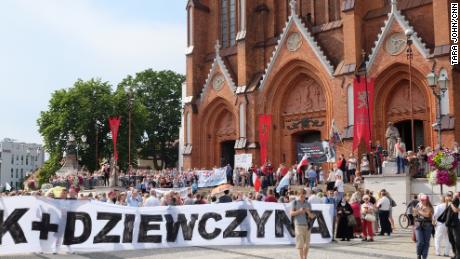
x=306 y=96
x=399 y=105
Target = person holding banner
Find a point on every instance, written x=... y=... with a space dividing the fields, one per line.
x=301 y=214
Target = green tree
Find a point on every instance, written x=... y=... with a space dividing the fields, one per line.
x=160 y=93
x=76 y=111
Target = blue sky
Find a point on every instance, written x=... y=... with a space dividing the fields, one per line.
x=48 y=44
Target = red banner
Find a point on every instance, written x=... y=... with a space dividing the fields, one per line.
x=363 y=108
x=264 y=133
x=114 y=123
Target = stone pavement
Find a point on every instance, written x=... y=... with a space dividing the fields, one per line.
x=398 y=246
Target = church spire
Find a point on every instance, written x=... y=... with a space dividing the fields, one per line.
x=394 y=6
x=292 y=4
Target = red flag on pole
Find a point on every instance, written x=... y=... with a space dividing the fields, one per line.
x=114 y=123
x=303 y=162
x=264 y=133
x=363 y=107
x=256 y=182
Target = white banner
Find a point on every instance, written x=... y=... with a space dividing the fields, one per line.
x=182 y=191
x=34 y=225
x=209 y=178
x=243 y=161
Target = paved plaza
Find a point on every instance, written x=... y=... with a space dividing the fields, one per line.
x=399 y=245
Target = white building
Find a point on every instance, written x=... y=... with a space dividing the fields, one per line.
x=17 y=159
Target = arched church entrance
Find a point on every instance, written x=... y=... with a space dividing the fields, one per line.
x=219 y=131
x=405 y=132
x=227 y=153
x=297 y=101
x=393 y=95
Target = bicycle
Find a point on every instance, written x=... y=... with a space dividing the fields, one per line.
x=404 y=221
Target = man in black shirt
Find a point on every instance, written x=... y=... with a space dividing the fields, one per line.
x=225 y=198
x=453 y=225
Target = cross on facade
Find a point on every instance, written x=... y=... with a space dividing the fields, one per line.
x=44 y=226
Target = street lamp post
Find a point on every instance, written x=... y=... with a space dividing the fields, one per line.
x=99 y=125
x=410 y=57
x=433 y=81
x=130 y=106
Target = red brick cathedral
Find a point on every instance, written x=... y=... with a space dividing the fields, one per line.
x=296 y=61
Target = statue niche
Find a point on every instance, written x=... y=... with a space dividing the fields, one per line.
x=399 y=100
x=225 y=126
x=306 y=96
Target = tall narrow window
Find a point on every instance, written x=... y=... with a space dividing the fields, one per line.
x=190 y=27
x=228 y=22
x=350 y=105
x=334 y=10
x=445 y=109
x=188 y=127
x=242 y=121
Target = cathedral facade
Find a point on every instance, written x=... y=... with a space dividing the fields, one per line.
x=296 y=61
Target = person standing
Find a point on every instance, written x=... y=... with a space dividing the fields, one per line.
x=229 y=173
x=441 y=229
x=384 y=205
x=330 y=180
x=312 y=177
x=352 y=164
x=301 y=212
x=356 y=207
x=378 y=157
x=364 y=166
x=342 y=165
x=453 y=225
x=410 y=208
x=368 y=218
x=423 y=226
x=344 y=230
x=400 y=154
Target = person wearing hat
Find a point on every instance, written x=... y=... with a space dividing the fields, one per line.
x=423 y=213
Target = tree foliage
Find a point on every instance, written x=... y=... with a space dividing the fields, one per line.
x=160 y=93
x=154 y=100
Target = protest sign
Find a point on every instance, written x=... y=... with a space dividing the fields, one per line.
x=38 y=224
x=182 y=191
x=317 y=152
x=209 y=178
x=243 y=161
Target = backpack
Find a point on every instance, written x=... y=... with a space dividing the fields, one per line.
x=392 y=203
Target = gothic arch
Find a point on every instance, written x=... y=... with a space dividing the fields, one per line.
x=392 y=104
x=218 y=124
x=298 y=91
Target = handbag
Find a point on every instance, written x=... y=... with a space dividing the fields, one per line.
x=370 y=217
x=414 y=238
x=443 y=217
x=351 y=220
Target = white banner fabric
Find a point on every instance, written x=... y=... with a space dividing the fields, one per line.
x=35 y=225
x=209 y=178
x=182 y=191
x=243 y=161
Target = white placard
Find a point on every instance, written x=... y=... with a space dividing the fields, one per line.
x=243 y=161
